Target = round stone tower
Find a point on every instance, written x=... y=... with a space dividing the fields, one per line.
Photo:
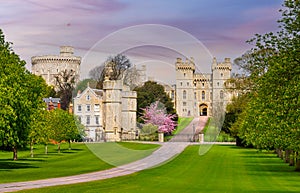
x=49 y=66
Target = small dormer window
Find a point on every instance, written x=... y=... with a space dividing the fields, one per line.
x=88 y=97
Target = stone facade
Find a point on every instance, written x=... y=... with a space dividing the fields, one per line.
x=201 y=94
x=108 y=114
x=49 y=66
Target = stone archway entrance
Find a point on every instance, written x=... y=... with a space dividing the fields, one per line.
x=203 y=110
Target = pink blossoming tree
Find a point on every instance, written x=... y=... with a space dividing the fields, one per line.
x=156 y=115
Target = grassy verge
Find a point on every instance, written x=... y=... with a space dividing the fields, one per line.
x=222 y=169
x=69 y=162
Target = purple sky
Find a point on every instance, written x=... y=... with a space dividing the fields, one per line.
x=98 y=28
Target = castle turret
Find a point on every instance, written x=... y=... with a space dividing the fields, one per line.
x=220 y=73
x=185 y=87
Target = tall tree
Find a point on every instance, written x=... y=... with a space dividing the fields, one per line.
x=271 y=119
x=21 y=96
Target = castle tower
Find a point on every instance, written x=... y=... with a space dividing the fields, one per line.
x=129 y=106
x=112 y=109
x=220 y=73
x=185 y=87
x=49 y=66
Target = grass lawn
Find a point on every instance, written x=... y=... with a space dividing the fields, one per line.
x=69 y=162
x=222 y=169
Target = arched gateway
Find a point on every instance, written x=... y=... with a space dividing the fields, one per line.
x=203 y=110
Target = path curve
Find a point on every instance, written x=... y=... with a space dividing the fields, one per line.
x=166 y=152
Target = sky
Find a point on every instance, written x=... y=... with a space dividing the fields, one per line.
x=153 y=32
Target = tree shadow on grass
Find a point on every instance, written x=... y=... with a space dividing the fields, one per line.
x=8 y=164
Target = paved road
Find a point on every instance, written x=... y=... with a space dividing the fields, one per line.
x=165 y=153
x=190 y=133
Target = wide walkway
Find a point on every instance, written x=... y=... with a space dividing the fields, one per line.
x=166 y=152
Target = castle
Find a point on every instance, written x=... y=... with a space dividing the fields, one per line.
x=201 y=94
x=49 y=66
x=110 y=114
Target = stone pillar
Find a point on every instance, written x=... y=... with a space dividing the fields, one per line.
x=201 y=137
x=160 y=137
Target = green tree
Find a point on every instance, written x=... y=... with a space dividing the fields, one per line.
x=271 y=118
x=21 y=96
x=64 y=127
x=149 y=93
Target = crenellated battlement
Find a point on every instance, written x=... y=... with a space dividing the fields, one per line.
x=188 y=64
x=53 y=58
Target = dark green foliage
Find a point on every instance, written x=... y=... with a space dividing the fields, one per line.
x=271 y=118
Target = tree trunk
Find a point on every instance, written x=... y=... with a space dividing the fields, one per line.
x=297 y=162
x=287 y=156
x=58 y=147
x=46 y=149
x=292 y=158
x=31 y=149
x=279 y=153
x=15 y=153
x=70 y=145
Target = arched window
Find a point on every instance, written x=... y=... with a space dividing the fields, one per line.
x=221 y=94
x=184 y=94
x=203 y=95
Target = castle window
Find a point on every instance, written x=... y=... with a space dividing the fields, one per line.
x=180 y=83
x=218 y=84
x=184 y=74
x=184 y=103
x=203 y=95
x=211 y=96
x=221 y=74
x=88 y=120
x=188 y=84
x=97 y=119
x=96 y=107
x=203 y=84
x=195 y=95
x=88 y=108
x=79 y=108
x=221 y=94
x=184 y=94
